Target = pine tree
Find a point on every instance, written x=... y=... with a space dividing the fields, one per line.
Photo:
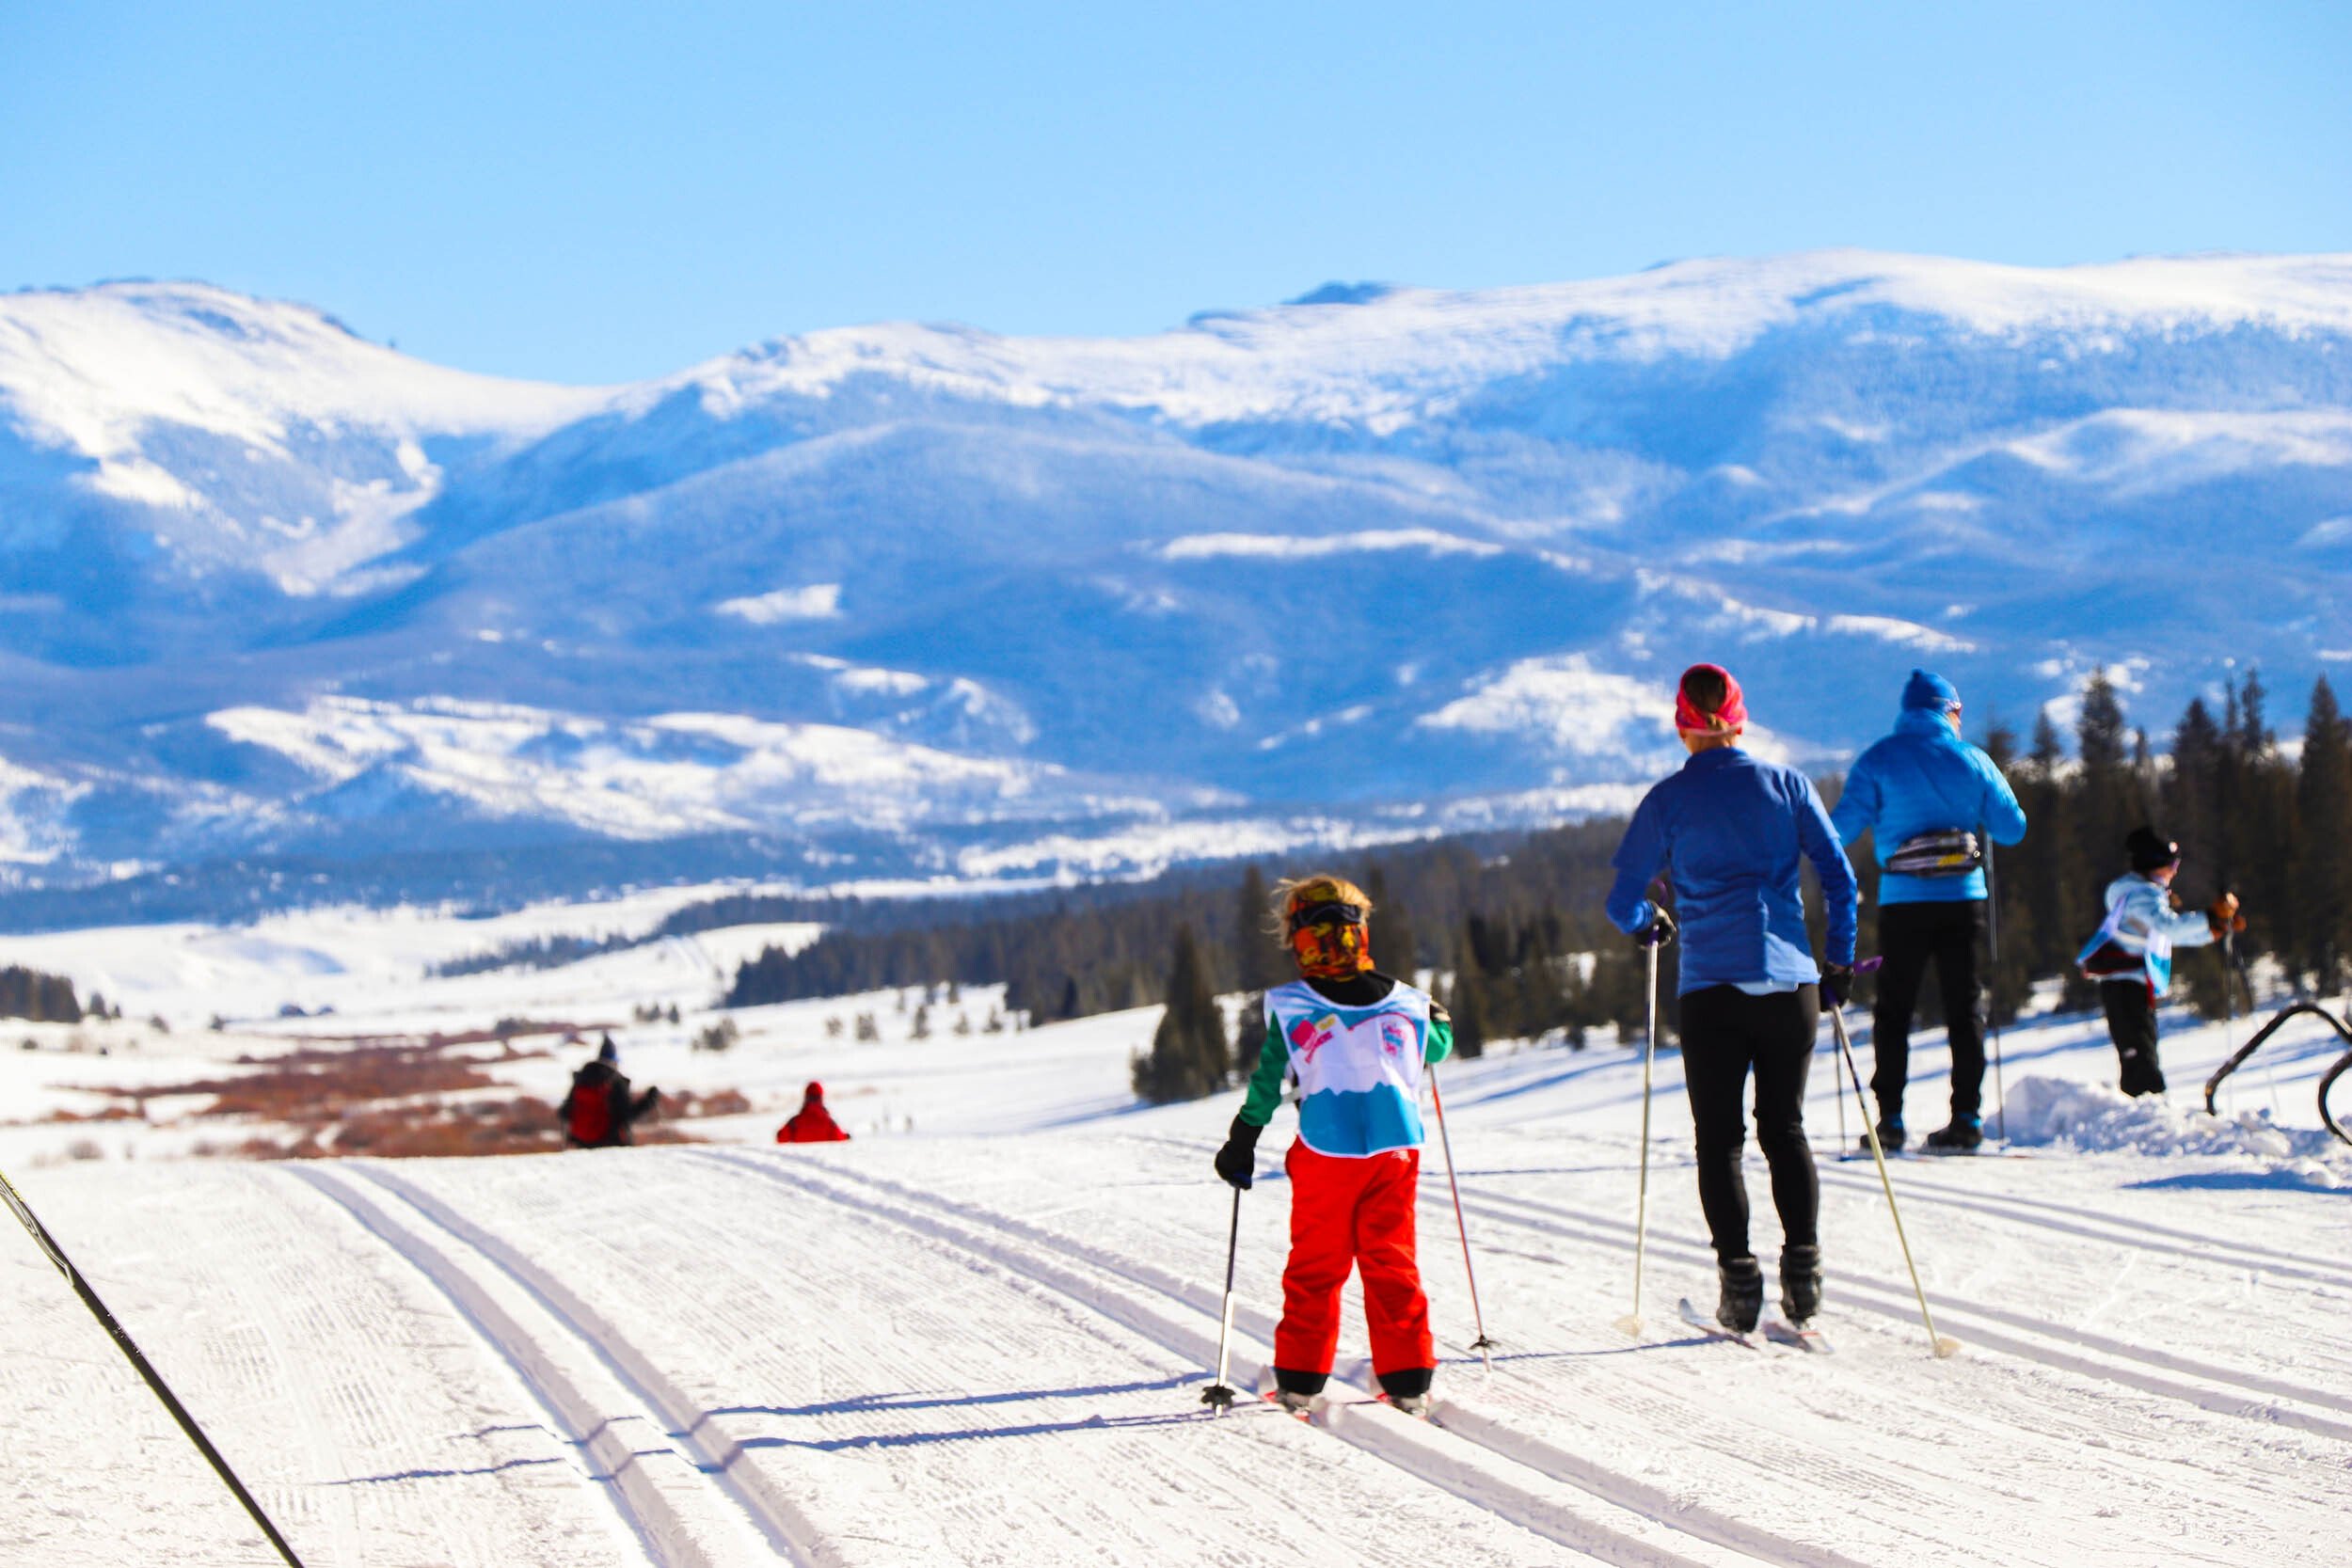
x=1466 y=999
x=1260 y=963
x=2323 y=869
x=2109 y=806
x=1396 y=947
x=2009 y=976
x=1189 y=1053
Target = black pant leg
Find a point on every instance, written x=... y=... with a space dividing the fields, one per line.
x=1715 y=1060
x=1906 y=940
x=2132 y=1025
x=1789 y=1023
x=1956 y=973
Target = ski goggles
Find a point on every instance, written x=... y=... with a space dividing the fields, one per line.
x=1321 y=915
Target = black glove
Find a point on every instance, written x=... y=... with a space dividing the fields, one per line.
x=1836 y=984
x=1238 y=1159
x=1659 y=931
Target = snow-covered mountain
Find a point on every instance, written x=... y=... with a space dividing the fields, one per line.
x=1379 y=550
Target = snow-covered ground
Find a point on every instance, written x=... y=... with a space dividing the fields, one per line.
x=976 y=1333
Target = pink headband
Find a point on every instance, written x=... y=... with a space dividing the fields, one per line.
x=1731 y=716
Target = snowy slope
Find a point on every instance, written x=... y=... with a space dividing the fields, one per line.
x=1377 y=548
x=977 y=1332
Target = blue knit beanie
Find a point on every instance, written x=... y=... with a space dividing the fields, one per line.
x=608 y=1051
x=1932 y=692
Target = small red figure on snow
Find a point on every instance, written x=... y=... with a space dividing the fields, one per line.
x=811 y=1123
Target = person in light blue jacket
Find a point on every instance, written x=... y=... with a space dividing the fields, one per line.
x=1927 y=795
x=1735 y=834
x=2131 y=953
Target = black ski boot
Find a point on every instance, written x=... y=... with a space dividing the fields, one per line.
x=1966 y=1135
x=1742 y=1301
x=1891 y=1136
x=1800 y=1283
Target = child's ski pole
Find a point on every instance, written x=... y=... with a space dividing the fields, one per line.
x=1218 y=1396
x=1483 y=1345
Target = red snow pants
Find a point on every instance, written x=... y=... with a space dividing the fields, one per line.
x=1353 y=1214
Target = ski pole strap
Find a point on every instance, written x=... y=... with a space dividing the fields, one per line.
x=146 y=1369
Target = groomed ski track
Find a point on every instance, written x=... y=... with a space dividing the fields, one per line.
x=989 y=1349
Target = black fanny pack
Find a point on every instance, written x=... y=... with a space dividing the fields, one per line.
x=1945 y=852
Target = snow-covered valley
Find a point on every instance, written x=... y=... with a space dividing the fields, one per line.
x=977 y=1332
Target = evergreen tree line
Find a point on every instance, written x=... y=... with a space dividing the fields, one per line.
x=1074 y=952
x=41 y=998
x=2252 y=819
x=1511 y=933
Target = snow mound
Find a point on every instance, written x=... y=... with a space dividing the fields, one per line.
x=2094 y=1118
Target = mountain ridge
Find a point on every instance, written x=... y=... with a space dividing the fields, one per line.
x=1250 y=558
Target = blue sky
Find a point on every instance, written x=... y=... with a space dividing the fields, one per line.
x=592 y=191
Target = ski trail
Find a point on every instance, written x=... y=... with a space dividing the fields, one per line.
x=1824 y=1475
x=2136 y=1235
x=930 y=1406
x=1760 y=1468
x=2054 y=1344
x=788 y=1533
x=648 y=1498
x=1649 y=1536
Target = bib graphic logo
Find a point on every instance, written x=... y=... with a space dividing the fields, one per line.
x=1308 y=1037
x=1396 y=1035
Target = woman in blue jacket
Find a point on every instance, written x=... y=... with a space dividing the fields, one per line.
x=1733 y=834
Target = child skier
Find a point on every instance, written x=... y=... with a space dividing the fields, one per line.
x=1734 y=833
x=2131 y=954
x=1358 y=1041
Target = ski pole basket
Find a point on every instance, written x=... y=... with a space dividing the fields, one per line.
x=2278 y=1020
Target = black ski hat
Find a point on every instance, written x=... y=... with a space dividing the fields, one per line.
x=2149 y=851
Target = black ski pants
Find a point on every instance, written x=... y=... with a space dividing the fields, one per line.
x=2132 y=1025
x=1726 y=1035
x=1909 y=935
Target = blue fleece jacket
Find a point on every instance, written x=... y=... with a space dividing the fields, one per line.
x=1734 y=833
x=1920 y=778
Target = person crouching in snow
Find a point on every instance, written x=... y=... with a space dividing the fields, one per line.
x=2131 y=954
x=1358 y=1040
x=811 y=1123
x=598 y=1113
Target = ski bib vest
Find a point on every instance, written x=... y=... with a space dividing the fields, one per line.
x=1358 y=1069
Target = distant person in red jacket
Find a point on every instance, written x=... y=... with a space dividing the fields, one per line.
x=813 y=1124
x=598 y=1113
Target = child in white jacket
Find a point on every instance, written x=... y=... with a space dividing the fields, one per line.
x=2130 y=955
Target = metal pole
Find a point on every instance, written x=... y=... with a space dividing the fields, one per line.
x=1218 y=1395
x=146 y=1369
x=1483 y=1345
x=1631 y=1321
x=1942 y=1346
x=1993 y=996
